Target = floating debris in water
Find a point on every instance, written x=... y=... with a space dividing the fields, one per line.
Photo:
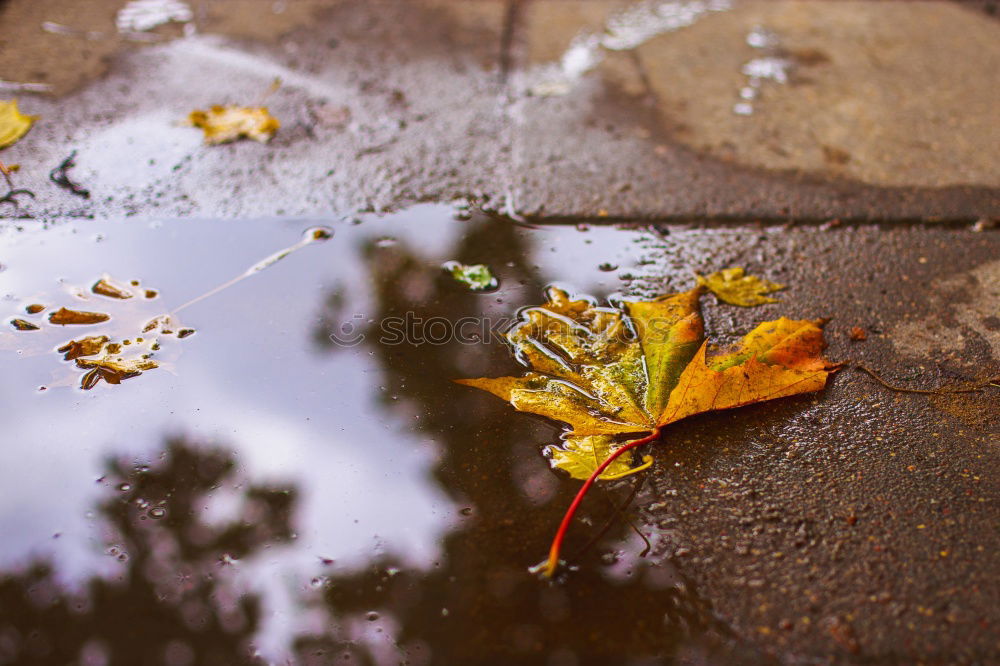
x=310 y=235
x=67 y=317
x=103 y=355
x=105 y=287
x=88 y=346
x=22 y=325
x=477 y=277
x=112 y=369
x=109 y=355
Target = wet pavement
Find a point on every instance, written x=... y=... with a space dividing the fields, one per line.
x=284 y=471
x=522 y=106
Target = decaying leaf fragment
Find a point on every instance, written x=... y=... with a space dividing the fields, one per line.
x=13 y=123
x=106 y=287
x=733 y=286
x=113 y=369
x=22 y=325
x=125 y=339
x=88 y=346
x=67 y=317
x=616 y=373
x=222 y=124
x=477 y=277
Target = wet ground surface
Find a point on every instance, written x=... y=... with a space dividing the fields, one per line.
x=545 y=108
x=299 y=478
x=282 y=470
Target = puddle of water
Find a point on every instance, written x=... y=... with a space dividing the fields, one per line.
x=303 y=480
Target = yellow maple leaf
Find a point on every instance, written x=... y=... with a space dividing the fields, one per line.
x=612 y=374
x=222 y=124
x=733 y=286
x=13 y=123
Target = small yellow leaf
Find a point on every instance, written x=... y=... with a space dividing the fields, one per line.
x=229 y=123
x=734 y=287
x=580 y=456
x=13 y=123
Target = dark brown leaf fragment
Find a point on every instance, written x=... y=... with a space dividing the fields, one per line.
x=105 y=288
x=34 y=308
x=83 y=347
x=23 y=325
x=65 y=316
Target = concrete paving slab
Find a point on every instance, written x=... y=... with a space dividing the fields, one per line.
x=885 y=94
x=642 y=110
x=859 y=525
x=387 y=103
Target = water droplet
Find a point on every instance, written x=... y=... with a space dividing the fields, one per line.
x=124 y=487
x=317 y=234
x=385 y=241
x=372 y=616
x=157 y=512
x=466 y=511
x=317 y=581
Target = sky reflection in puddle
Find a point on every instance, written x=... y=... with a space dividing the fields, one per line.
x=380 y=452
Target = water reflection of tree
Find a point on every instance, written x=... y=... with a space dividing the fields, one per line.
x=171 y=602
x=480 y=604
